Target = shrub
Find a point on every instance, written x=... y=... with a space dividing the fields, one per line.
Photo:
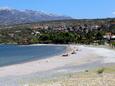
x=100 y=71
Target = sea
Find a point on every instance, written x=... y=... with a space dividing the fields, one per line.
x=16 y=54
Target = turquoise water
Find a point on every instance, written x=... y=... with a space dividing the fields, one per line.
x=13 y=54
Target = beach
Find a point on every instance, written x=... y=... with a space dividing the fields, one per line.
x=77 y=58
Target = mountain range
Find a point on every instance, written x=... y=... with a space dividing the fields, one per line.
x=13 y=16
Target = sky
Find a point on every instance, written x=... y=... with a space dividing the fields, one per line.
x=78 y=9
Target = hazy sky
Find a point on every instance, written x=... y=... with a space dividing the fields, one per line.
x=73 y=8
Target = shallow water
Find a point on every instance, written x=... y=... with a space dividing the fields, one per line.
x=12 y=54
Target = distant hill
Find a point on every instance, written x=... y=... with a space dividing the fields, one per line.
x=13 y=16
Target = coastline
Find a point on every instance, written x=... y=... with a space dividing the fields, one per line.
x=31 y=57
x=85 y=58
x=82 y=56
x=17 y=69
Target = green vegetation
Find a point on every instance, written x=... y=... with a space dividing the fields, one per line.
x=58 y=32
x=100 y=71
x=51 y=37
x=113 y=43
x=106 y=69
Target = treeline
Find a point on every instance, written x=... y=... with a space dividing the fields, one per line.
x=26 y=37
x=71 y=32
x=71 y=37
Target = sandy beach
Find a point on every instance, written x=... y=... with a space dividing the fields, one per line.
x=84 y=58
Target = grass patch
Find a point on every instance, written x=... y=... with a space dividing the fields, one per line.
x=107 y=69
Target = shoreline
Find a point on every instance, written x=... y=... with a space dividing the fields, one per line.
x=37 y=58
x=82 y=56
x=5 y=70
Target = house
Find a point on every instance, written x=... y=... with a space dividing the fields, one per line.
x=11 y=35
x=109 y=37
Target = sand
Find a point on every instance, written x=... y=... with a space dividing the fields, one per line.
x=78 y=79
x=84 y=55
x=34 y=73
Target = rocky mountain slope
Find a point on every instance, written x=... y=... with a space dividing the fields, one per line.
x=13 y=16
